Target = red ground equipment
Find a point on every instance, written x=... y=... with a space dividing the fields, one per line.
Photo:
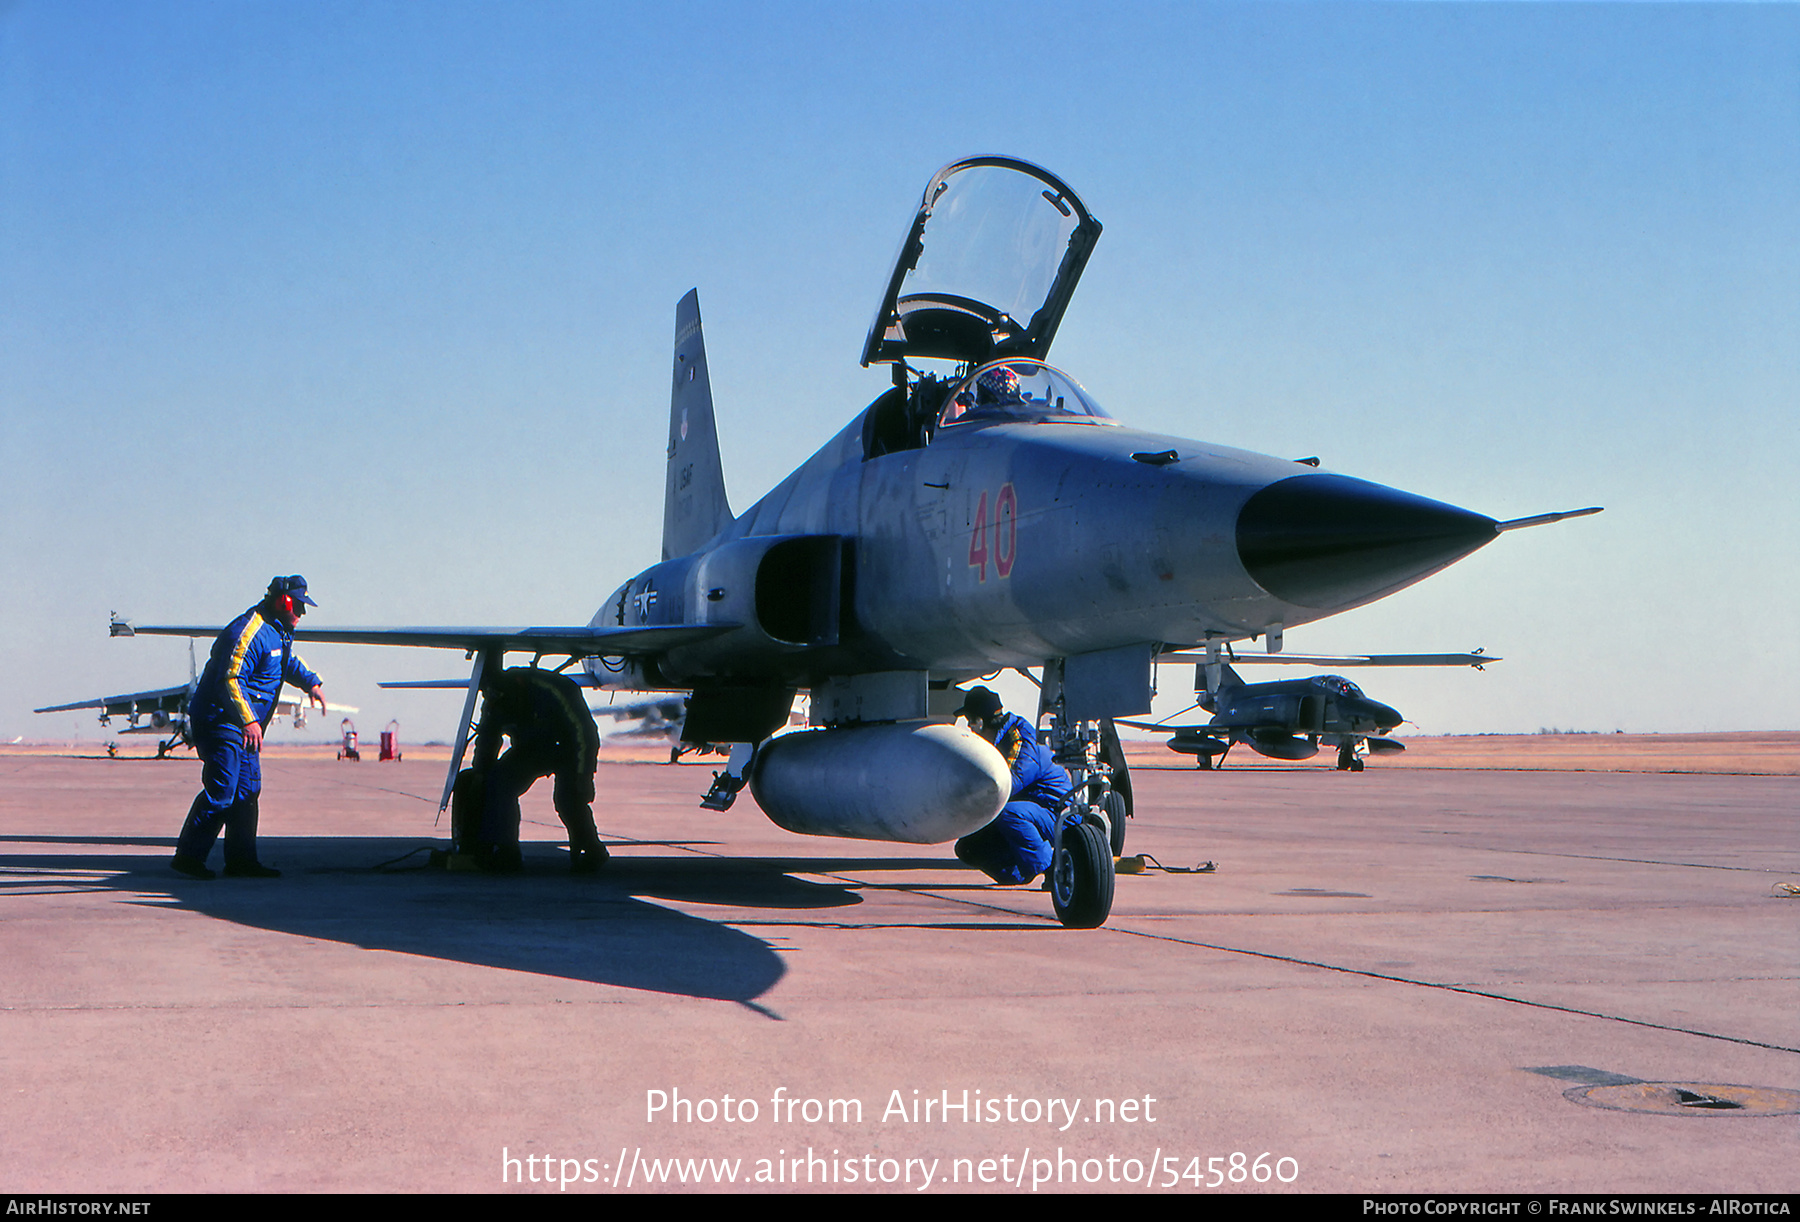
x=390 y=742
x=348 y=750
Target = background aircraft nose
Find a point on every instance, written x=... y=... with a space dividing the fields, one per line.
x=1331 y=542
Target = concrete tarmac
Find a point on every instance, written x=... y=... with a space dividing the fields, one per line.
x=1410 y=979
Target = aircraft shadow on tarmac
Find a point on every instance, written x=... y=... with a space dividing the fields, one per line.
x=543 y=921
x=378 y=893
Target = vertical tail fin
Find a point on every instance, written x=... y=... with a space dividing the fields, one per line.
x=694 y=504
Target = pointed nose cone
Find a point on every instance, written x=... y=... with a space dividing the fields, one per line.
x=1332 y=542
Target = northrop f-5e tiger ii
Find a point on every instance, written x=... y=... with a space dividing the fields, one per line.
x=982 y=512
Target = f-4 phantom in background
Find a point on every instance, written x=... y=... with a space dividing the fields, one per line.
x=166 y=708
x=1289 y=719
x=983 y=515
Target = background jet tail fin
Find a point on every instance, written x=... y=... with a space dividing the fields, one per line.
x=694 y=504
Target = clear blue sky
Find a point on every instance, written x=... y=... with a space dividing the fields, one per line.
x=384 y=294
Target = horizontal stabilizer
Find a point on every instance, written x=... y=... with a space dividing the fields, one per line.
x=578 y=642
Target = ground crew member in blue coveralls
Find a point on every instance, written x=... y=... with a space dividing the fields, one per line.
x=1016 y=846
x=227 y=715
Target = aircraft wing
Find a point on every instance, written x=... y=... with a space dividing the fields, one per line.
x=1476 y=659
x=123 y=705
x=579 y=641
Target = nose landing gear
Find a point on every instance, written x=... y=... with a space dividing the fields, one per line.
x=1081 y=874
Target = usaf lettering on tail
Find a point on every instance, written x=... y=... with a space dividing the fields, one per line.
x=981 y=513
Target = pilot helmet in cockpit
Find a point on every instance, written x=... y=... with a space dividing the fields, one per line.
x=997 y=387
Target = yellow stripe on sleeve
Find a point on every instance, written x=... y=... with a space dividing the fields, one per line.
x=252 y=626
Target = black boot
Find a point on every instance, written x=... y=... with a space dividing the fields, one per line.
x=192 y=864
x=240 y=841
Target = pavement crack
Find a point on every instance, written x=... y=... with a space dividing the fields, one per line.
x=1642 y=861
x=1466 y=990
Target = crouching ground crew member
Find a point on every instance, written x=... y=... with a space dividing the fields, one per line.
x=227 y=714
x=552 y=732
x=1016 y=846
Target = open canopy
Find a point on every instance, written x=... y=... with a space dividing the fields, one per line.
x=988 y=267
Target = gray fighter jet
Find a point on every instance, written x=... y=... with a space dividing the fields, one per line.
x=983 y=512
x=1288 y=719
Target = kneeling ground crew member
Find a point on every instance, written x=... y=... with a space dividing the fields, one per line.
x=230 y=707
x=1016 y=846
x=552 y=733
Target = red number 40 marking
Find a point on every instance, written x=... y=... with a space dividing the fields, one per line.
x=1005 y=529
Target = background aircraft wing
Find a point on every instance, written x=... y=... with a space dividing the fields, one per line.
x=123 y=704
x=580 y=641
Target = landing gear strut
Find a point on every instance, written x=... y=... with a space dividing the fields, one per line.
x=1090 y=829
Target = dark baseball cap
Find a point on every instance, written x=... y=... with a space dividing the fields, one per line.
x=980 y=702
x=294 y=587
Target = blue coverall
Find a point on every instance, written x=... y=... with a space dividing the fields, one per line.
x=1015 y=847
x=242 y=682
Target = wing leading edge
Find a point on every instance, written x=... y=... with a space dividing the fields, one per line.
x=578 y=642
x=1476 y=659
x=123 y=702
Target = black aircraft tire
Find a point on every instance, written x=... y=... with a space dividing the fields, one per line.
x=1081 y=878
x=1115 y=815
